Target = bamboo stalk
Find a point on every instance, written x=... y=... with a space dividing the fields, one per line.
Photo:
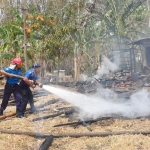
x=90 y=134
x=8 y=115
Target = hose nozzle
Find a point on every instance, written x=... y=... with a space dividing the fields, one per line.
x=40 y=85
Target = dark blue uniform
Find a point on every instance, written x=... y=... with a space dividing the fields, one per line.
x=26 y=93
x=11 y=87
x=31 y=75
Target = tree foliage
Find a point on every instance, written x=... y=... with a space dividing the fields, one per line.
x=80 y=29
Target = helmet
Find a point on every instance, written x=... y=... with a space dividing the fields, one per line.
x=16 y=61
x=36 y=65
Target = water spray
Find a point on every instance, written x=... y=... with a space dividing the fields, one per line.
x=105 y=102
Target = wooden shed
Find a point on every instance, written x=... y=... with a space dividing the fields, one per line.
x=141 y=49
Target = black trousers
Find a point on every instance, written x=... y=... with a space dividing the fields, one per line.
x=27 y=96
x=9 y=89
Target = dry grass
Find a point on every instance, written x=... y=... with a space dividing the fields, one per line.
x=119 y=142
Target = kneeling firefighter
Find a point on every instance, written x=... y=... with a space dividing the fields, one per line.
x=31 y=77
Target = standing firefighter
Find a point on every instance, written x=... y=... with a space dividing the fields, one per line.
x=11 y=84
x=26 y=93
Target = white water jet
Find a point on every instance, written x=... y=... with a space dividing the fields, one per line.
x=98 y=105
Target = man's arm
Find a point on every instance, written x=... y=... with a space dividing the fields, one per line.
x=36 y=82
x=29 y=82
x=6 y=74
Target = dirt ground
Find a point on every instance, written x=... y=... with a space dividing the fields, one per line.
x=118 y=142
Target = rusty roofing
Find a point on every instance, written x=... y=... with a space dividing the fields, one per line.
x=143 y=42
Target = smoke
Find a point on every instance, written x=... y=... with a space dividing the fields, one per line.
x=105 y=102
x=83 y=77
x=107 y=66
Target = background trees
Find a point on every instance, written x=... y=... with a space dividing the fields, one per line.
x=70 y=34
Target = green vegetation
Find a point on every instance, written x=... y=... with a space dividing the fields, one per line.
x=70 y=34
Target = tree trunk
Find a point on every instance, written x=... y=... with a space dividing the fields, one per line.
x=25 y=34
x=1 y=62
x=32 y=49
x=79 y=65
x=75 y=64
x=75 y=67
x=148 y=5
x=15 y=52
x=43 y=63
x=58 y=67
x=44 y=71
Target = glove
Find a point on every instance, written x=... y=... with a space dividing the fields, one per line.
x=40 y=85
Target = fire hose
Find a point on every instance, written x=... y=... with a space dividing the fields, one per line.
x=34 y=82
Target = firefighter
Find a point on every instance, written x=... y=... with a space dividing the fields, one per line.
x=11 y=84
x=26 y=93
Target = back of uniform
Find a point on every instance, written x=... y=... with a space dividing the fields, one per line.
x=30 y=75
x=26 y=92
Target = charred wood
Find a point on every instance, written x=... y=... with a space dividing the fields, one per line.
x=82 y=122
x=47 y=143
x=49 y=116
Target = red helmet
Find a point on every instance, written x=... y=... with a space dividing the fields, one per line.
x=16 y=61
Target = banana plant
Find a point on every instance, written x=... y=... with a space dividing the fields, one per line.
x=117 y=18
x=11 y=35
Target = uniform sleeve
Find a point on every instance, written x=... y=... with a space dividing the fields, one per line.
x=36 y=77
x=7 y=70
x=27 y=75
x=20 y=72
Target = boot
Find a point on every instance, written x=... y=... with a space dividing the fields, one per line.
x=1 y=112
x=32 y=109
x=19 y=116
x=17 y=110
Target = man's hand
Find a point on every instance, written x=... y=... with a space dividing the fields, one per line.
x=33 y=86
x=25 y=79
x=31 y=81
x=11 y=75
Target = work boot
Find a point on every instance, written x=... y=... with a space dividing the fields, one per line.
x=17 y=110
x=33 y=109
x=19 y=116
x=1 y=112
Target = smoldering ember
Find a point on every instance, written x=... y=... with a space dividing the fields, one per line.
x=75 y=75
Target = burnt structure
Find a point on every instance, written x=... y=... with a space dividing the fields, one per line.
x=144 y=53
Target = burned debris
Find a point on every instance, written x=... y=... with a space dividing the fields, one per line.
x=134 y=62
